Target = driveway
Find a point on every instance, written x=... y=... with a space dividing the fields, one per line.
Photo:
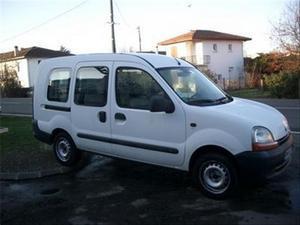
x=114 y=192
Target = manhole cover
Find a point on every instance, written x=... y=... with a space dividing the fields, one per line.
x=50 y=191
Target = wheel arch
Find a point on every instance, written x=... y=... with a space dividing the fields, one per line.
x=208 y=149
x=57 y=131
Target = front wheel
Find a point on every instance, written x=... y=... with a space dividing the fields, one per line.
x=65 y=150
x=215 y=175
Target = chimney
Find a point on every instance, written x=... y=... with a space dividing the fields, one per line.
x=16 y=50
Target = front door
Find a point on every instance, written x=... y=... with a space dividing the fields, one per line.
x=137 y=133
x=90 y=110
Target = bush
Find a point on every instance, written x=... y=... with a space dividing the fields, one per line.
x=283 y=85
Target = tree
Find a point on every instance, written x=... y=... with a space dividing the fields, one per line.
x=287 y=30
x=9 y=83
x=64 y=49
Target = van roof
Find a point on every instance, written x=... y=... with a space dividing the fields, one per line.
x=154 y=60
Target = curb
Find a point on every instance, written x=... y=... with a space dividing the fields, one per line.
x=15 y=114
x=6 y=176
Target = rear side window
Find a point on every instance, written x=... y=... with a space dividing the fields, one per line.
x=91 y=86
x=58 y=86
x=135 y=88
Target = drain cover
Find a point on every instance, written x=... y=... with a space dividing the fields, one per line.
x=50 y=191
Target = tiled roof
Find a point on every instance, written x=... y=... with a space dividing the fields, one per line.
x=201 y=35
x=32 y=52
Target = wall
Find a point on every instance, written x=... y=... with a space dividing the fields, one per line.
x=25 y=68
x=228 y=64
x=33 y=69
x=184 y=50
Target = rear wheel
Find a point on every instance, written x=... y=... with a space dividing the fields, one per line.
x=65 y=150
x=216 y=175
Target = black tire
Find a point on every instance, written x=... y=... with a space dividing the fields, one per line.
x=215 y=175
x=65 y=150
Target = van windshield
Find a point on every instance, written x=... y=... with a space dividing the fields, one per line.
x=193 y=87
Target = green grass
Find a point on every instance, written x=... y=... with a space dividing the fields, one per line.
x=19 y=150
x=20 y=134
x=250 y=93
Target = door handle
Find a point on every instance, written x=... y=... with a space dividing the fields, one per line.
x=120 y=116
x=102 y=116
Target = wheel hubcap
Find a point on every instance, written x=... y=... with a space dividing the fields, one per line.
x=63 y=149
x=214 y=177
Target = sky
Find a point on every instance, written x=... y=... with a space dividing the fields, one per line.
x=83 y=25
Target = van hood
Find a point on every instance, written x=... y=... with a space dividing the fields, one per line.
x=257 y=114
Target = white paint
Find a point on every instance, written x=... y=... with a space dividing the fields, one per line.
x=225 y=125
x=222 y=59
x=33 y=69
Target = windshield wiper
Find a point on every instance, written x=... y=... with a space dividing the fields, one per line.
x=209 y=101
x=201 y=100
x=221 y=100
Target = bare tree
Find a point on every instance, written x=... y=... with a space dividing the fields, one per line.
x=287 y=30
x=64 y=49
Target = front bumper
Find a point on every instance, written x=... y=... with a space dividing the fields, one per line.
x=266 y=164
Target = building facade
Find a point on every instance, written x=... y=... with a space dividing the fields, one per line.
x=220 y=53
x=25 y=62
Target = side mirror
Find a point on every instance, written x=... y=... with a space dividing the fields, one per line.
x=161 y=104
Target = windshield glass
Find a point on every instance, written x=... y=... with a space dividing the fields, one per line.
x=192 y=86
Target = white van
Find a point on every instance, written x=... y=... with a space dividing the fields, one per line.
x=159 y=110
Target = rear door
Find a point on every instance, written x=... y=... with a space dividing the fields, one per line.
x=137 y=133
x=90 y=106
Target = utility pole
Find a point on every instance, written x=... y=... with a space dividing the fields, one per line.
x=112 y=22
x=140 y=40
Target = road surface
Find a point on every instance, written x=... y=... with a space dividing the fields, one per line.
x=290 y=108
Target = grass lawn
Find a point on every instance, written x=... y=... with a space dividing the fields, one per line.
x=19 y=150
x=250 y=93
x=19 y=136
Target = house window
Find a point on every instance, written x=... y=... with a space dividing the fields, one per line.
x=215 y=47
x=91 y=86
x=230 y=48
x=206 y=59
x=58 y=86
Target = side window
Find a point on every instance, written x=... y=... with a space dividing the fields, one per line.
x=58 y=86
x=135 y=88
x=91 y=86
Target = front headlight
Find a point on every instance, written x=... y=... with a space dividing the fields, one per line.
x=286 y=124
x=262 y=139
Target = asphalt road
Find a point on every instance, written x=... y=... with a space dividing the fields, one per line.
x=115 y=192
x=290 y=108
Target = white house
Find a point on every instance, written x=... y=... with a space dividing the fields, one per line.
x=221 y=53
x=25 y=60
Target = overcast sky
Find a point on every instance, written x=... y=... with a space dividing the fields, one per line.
x=84 y=29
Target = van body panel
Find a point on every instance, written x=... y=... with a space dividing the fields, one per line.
x=86 y=117
x=160 y=138
x=162 y=130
